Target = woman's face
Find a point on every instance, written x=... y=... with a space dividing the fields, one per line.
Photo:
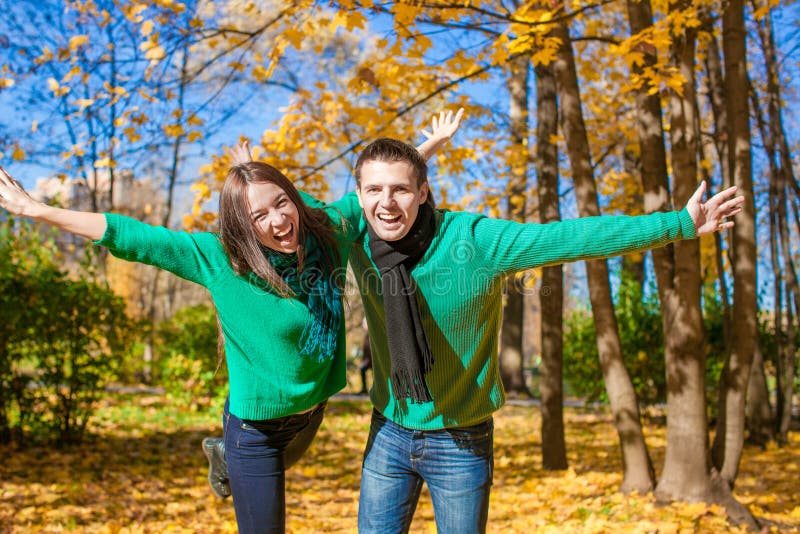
x=274 y=217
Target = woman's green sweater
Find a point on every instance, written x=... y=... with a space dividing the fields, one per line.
x=268 y=378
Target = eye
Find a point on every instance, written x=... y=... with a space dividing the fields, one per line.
x=282 y=202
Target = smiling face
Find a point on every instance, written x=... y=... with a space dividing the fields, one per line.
x=390 y=197
x=274 y=216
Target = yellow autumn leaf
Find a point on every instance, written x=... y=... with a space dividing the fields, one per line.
x=74 y=71
x=6 y=82
x=104 y=162
x=155 y=53
x=84 y=103
x=46 y=56
x=116 y=90
x=132 y=133
x=173 y=130
x=147 y=28
x=405 y=13
x=146 y=96
x=56 y=88
x=350 y=20
x=78 y=41
x=194 y=136
x=18 y=154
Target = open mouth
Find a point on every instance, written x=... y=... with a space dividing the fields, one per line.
x=285 y=237
x=388 y=219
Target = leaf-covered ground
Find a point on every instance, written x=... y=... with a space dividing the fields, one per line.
x=143 y=471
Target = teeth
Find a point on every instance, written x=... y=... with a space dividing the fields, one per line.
x=388 y=218
x=284 y=234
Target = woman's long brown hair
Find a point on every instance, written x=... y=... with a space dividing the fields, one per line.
x=239 y=238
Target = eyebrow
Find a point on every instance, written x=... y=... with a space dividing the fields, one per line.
x=277 y=199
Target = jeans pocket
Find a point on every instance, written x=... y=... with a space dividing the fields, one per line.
x=477 y=439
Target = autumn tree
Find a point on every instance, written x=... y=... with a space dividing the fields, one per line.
x=637 y=468
x=783 y=193
x=551 y=383
x=510 y=353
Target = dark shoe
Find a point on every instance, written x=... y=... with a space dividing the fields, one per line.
x=214 y=449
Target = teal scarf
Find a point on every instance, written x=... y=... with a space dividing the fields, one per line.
x=315 y=282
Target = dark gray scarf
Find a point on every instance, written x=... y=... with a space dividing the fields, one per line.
x=409 y=351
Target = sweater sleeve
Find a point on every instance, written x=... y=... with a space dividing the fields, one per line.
x=345 y=212
x=195 y=257
x=511 y=246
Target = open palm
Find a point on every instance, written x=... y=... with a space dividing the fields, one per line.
x=712 y=215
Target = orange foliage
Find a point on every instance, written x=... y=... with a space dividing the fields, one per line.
x=137 y=477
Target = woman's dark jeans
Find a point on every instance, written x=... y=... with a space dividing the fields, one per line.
x=258 y=454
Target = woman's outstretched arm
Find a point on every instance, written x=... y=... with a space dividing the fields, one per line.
x=15 y=200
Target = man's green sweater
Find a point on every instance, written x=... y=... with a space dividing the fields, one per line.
x=459 y=283
x=268 y=378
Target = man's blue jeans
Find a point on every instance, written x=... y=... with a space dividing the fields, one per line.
x=258 y=454
x=456 y=463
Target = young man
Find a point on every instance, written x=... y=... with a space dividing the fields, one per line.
x=431 y=283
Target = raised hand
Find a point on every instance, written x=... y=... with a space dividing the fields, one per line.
x=240 y=153
x=711 y=216
x=444 y=126
x=13 y=197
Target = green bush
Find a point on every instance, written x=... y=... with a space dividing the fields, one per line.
x=190 y=369
x=641 y=335
x=639 y=320
x=59 y=340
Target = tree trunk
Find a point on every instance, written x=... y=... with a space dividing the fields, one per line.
x=729 y=438
x=554 y=449
x=637 y=468
x=716 y=97
x=511 y=355
x=633 y=264
x=686 y=471
x=758 y=410
x=779 y=280
x=781 y=172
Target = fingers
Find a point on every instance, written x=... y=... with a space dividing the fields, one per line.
x=718 y=209
x=7 y=180
x=459 y=116
x=697 y=196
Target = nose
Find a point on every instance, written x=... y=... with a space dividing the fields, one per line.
x=277 y=219
x=387 y=199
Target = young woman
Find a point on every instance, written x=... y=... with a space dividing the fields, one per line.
x=274 y=273
x=271 y=273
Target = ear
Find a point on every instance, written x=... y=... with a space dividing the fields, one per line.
x=358 y=194
x=423 y=192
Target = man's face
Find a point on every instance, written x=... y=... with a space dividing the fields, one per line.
x=275 y=218
x=390 y=197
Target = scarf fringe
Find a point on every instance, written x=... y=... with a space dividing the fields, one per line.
x=411 y=386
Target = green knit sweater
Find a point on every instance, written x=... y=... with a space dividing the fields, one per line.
x=268 y=378
x=460 y=281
